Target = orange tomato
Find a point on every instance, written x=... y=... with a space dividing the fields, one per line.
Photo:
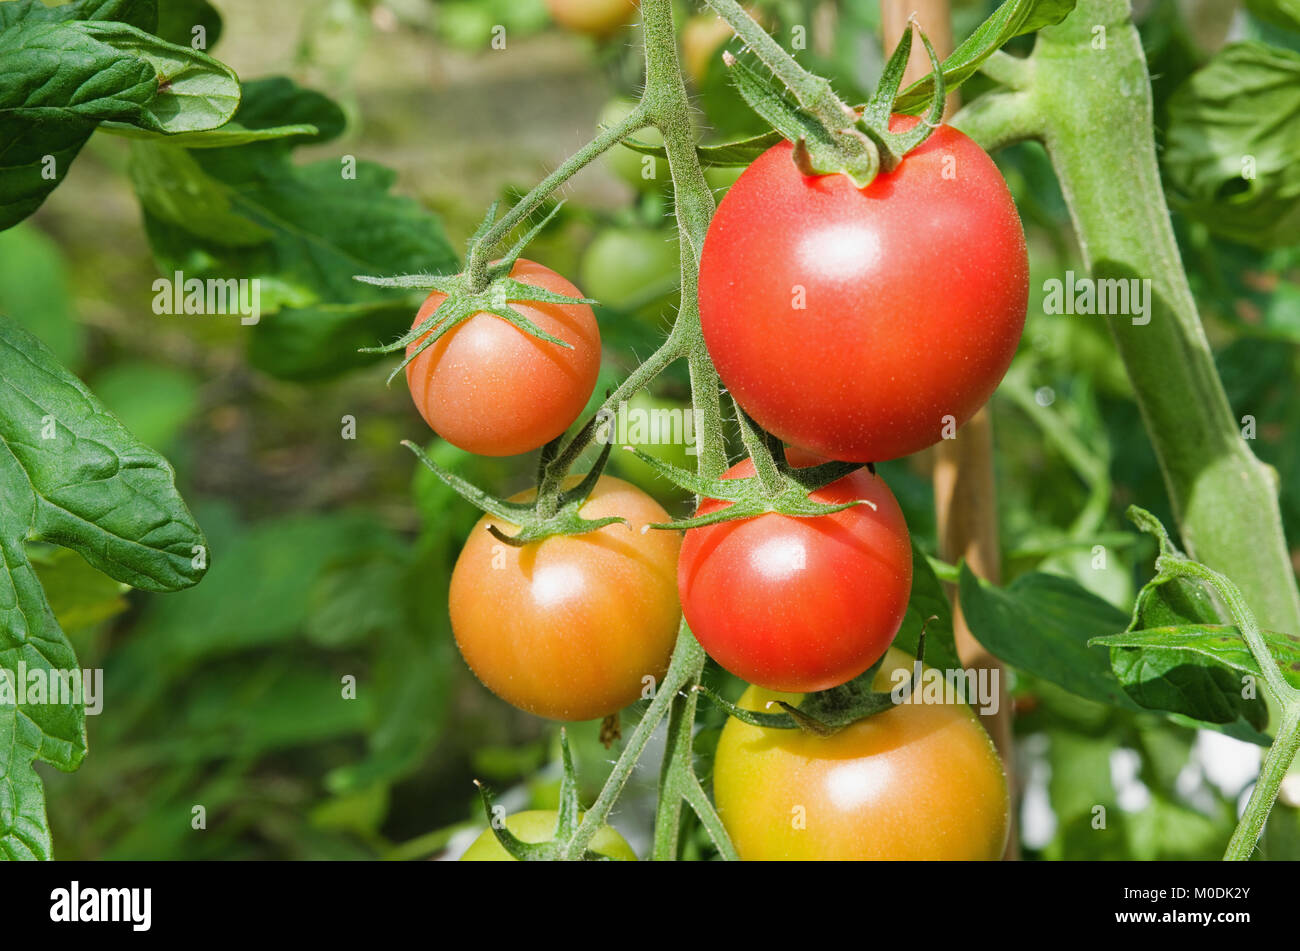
x=570 y=627
x=495 y=390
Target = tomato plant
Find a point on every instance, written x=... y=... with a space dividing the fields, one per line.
x=467 y=384
x=920 y=781
x=857 y=297
x=860 y=323
x=799 y=604
x=571 y=627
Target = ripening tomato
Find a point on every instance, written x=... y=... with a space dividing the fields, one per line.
x=495 y=390
x=538 y=825
x=799 y=604
x=920 y=781
x=596 y=18
x=863 y=323
x=572 y=626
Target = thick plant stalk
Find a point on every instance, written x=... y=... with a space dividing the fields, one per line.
x=965 y=497
x=1092 y=107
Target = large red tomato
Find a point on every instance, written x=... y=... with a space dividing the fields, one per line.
x=572 y=626
x=920 y=781
x=799 y=604
x=859 y=322
x=495 y=390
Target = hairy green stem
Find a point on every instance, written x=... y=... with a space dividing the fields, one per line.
x=1085 y=93
x=666 y=105
x=480 y=255
x=1274 y=769
x=1092 y=99
x=811 y=91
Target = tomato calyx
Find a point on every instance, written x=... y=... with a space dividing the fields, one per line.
x=776 y=487
x=554 y=511
x=565 y=826
x=831 y=137
x=465 y=297
x=827 y=712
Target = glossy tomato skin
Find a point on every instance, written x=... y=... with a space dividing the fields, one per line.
x=569 y=627
x=854 y=322
x=495 y=390
x=538 y=825
x=920 y=781
x=799 y=604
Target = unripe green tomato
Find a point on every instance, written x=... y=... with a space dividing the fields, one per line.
x=627 y=268
x=538 y=825
x=644 y=172
x=658 y=427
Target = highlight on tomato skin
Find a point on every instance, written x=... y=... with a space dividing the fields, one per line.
x=799 y=604
x=921 y=781
x=866 y=324
x=495 y=390
x=573 y=627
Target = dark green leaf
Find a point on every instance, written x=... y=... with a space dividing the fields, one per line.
x=1234 y=133
x=1042 y=624
x=72 y=475
x=928 y=600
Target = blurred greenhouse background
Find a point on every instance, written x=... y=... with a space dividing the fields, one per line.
x=330 y=555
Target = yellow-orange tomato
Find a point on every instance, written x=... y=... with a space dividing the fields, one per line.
x=593 y=17
x=920 y=781
x=570 y=627
x=495 y=390
x=538 y=825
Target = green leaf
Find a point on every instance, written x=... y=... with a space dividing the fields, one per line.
x=301 y=231
x=1280 y=13
x=1174 y=669
x=1042 y=624
x=194 y=91
x=726 y=155
x=178 y=18
x=61 y=75
x=1014 y=18
x=1220 y=643
x=1233 y=134
x=70 y=474
x=928 y=600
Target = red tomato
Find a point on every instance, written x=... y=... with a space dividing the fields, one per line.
x=570 y=627
x=799 y=604
x=920 y=781
x=856 y=322
x=494 y=390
